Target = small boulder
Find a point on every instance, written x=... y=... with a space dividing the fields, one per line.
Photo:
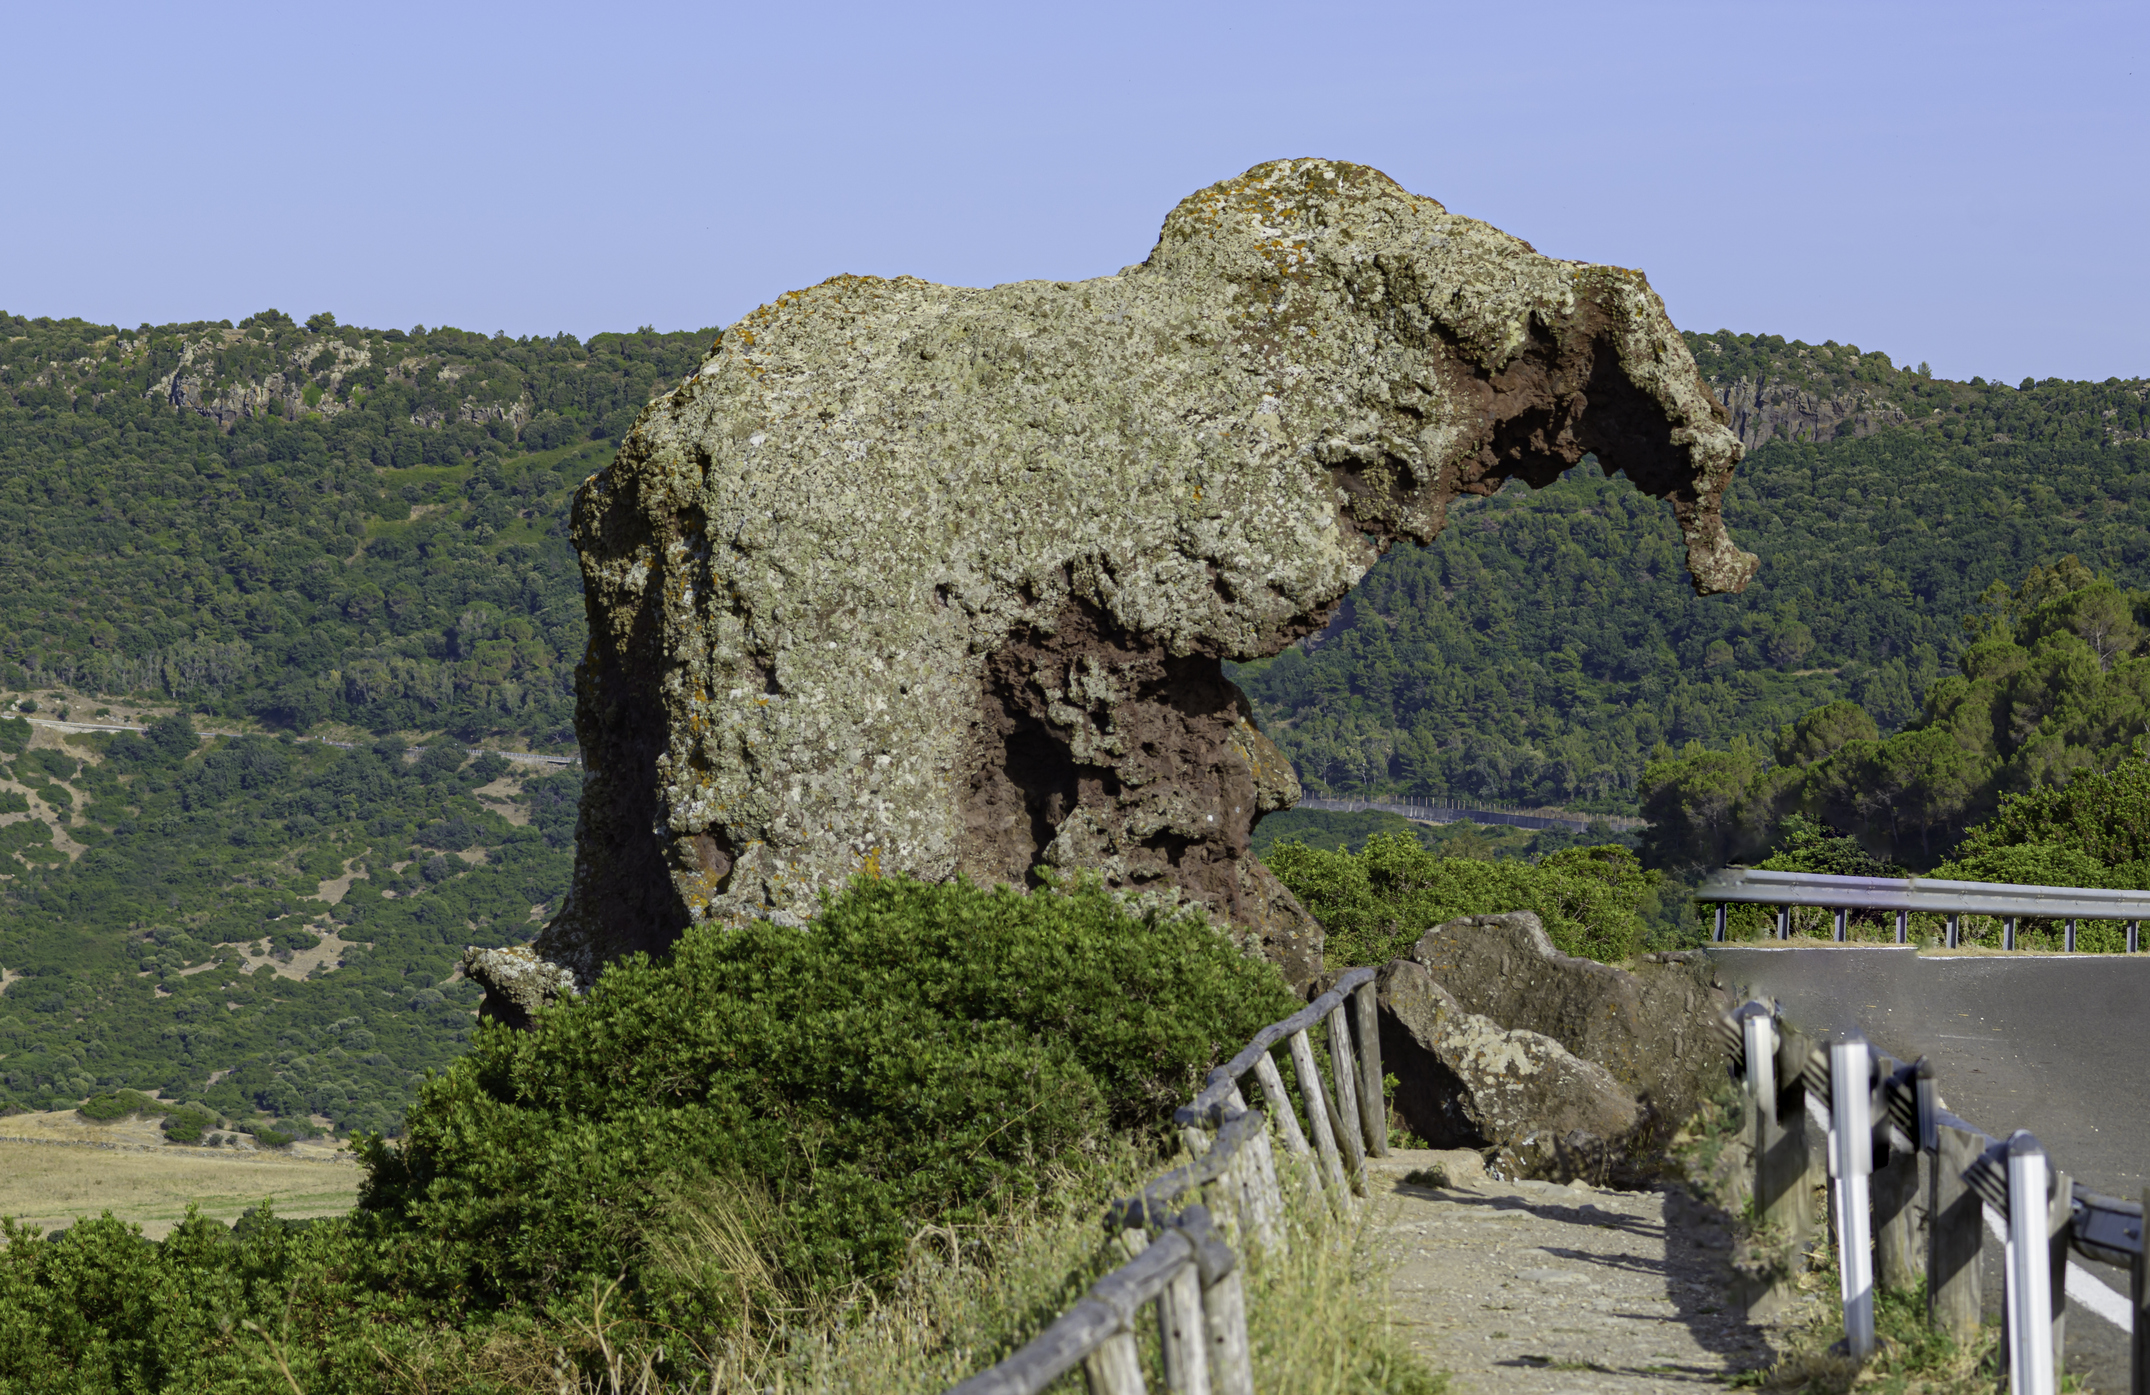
x=517 y=983
x=1469 y=1082
x=1654 y=1028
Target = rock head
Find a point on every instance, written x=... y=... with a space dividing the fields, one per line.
x=934 y=580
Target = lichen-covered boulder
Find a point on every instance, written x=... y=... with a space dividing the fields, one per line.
x=1654 y=1026
x=927 y=579
x=1464 y=1080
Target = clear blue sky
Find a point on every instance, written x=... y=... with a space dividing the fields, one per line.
x=1966 y=184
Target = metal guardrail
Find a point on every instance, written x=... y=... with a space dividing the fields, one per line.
x=2006 y=902
x=1879 y=1117
x=1179 y=1264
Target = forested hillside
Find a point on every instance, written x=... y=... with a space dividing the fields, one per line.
x=1542 y=648
x=308 y=523
x=265 y=924
x=285 y=528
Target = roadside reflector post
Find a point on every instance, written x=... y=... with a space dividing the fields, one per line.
x=2028 y=1265
x=2008 y=932
x=2060 y=1234
x=1841 y=916
x=1851 y=1162
x=1758 y=1038
x=1903 y=927
x=1721 y=909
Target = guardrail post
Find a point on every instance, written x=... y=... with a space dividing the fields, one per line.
x=1896 y=1197
x=1784 y=922
x=1317 y=1119
x=1842 y=916
x=1373 y=1107
x=1955 y=929
x=2068 y=946
x=1778 y=1123
x=2139 y=1290
x=2008 y=932
x=2029 y=1268
x=2135 y=928
x=1906 y=1102
x=1851 y=1159
x=1721 y=909
x=1903 y=927
x=1345 y=1071
x=1955 y=1233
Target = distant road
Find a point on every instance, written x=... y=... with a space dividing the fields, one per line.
x=526 y=757
x=1451 y=813
x=2049 y=1043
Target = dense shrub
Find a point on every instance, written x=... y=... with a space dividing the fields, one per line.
x=118 y=1104
x=917 y=1053
x=188 y=1123
x=1377 y=903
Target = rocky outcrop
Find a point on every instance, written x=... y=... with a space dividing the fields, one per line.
x=1654 y=1027
x=938 y=580
x=327 y=365
x=1465 y=1081
x=1774 y=410
x=517 y=982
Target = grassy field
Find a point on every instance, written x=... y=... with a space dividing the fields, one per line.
x=51 y=1173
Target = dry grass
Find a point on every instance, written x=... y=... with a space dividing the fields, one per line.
x=53 y=1185
x=1317 y=1317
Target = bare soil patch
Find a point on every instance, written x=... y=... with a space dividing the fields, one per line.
x=1532 y=1288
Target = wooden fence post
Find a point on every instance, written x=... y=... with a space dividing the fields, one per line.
x=1373 y=1107
x=1224 y=1308
x=1345 y=1071
x=1285 y=1119
x=1317 y=1110
x=1182 y=1334
x=1955 y=1233
x=1115 y=1367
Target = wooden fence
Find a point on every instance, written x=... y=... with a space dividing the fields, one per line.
x=1876 y=1118
x=1182 y=1271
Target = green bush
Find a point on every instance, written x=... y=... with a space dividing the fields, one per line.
x=1376 y=904
x=188 y=1123
x=272 y=1138
x=118 y=1104
x=917 y=1053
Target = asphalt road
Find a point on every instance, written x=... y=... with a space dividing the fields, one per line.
x=2049 y=1043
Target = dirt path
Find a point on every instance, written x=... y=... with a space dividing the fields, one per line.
x=1535 y=1289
